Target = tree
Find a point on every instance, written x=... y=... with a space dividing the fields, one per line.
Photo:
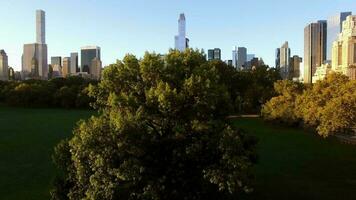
x=282 y=108
x=161 y=134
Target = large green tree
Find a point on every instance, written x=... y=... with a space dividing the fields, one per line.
x=161 y=133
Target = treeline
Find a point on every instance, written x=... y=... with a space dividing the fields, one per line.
x=328 y=106
x=71 y=92
x=248 y=89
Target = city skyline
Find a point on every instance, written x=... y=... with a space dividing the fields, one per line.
x=130 y=37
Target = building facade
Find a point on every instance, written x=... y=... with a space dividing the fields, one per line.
x=295 y=62
x=214 y=54
x=4 y=67
x=74 y=64
x=344 y=49
x=334 y=29
x=181 y=40
x=315 y=36
x=234 y=56
x=34 y=61
x=88 y=54
x=95 y=70
x=285 y=68
x=242 y=57
x=34 y=57
x=66 y=67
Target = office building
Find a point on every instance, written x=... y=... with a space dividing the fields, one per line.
x=234 y=56
x=181 y=41
x=66 y=67
x=4 y=67
x=241 y=57
x=56 y=60
x=34 y=61
x=11 y=74
x=284 y=61
x=334 y=29
x=295 y=67
x=278 y=58
x=344 y=49
x=88 y=54
x=314 y=48
x=214 y=54
x=34 y=58
x=74 y=65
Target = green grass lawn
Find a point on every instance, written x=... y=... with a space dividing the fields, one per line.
x=27 y=139
x=294 y=164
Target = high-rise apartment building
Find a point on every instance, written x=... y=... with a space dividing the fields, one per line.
x=40 y=27
x=66 y=67
x=74 y=63
x=241 y=57
x=315 y=36
x=334 y=29
x=88 y=54
x=214 y=54
x=181 y=40
x=344 y=49
x=34 y=58
x=4 y=67
x=284 y=61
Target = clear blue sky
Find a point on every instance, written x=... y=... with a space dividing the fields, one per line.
x=136 y=26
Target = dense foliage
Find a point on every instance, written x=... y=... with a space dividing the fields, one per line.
x=71 y=92
x=329 y=106
x=161 y=133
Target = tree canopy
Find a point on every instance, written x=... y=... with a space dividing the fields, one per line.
x=161 y=133
x=329 y=105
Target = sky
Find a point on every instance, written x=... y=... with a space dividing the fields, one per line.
x=135 y=26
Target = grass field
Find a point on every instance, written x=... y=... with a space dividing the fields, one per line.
x=297 y=165
x=292 y=164
x=27 y=138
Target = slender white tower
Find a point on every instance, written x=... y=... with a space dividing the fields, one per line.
x=40 y=27
x=181 y=40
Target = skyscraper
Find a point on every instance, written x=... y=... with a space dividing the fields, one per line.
x=181 y=41
x=4 y=74
x=214 y=54
x=95 y=69
x=88 y=54
x=40 y=27
x=242 y=57
x=34 y=58
x=278 y=58
x=74 y=63
x=66 y=67
x=295 y=67
x=56 y=60
x=285 y=61
x=234 y=56
x=334 y=29
x=314 y=48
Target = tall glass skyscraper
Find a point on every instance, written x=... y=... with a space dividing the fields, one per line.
x=74 y=63
x=334 y=29
x=88 y=54
x=242 y=57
